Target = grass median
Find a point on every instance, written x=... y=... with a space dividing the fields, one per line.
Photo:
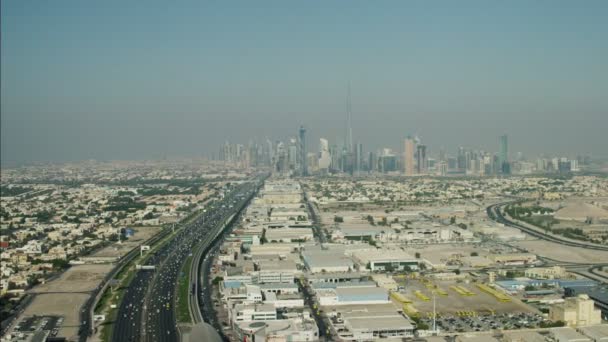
x=183 y=288
x=126 y=275
x=114 y=296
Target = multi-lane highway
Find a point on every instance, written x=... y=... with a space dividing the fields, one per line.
x=86 y=328
x=202 y=305
x=147 y=311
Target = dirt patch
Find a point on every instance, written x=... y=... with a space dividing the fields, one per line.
x=563 y=253
x=79 y=278
x=66 y=305
x=140 y=235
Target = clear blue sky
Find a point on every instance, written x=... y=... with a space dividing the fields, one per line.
x=145 y=79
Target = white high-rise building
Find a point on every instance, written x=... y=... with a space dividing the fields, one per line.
x=408 y=156
x=324 y=155
x=574 y=165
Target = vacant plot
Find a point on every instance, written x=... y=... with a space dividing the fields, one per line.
x=563 y=253
x=118 y=249
x=66 y=305
x=441 y=253
x=80 y=278
x=65 y=295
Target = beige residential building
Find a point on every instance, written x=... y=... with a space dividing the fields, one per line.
x=576 y=311
x=408 y=157
x=554 y=272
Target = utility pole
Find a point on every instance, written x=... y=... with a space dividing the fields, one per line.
x=434 y=316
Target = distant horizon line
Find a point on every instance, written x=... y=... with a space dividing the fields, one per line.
x=24 y=163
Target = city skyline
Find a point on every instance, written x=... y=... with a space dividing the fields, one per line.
x=79 y=82
x=303 y=171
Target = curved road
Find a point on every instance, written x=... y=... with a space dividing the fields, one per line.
x=495 y=214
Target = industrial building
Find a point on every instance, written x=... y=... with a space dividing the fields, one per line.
x=297 y=327
x=349 y=295
x=369 y=322
x=317 y=261
x=386 y=260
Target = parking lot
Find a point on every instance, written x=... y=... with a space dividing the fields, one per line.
x=65 y=295
x=34 y=327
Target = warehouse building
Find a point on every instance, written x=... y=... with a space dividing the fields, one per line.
x=318 y=261
x=352 y=295
x=369 y=322
x=334 y=277
x=386 y=260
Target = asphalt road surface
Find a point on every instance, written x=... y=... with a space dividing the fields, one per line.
x=147 y=311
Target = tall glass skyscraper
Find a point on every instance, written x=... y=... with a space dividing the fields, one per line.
x=302 y=152
x=503 y=156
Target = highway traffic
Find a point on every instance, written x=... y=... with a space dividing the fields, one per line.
x=147 y=311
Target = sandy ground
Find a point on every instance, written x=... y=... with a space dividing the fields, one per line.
x=79 y=278
x=563 y=253
x=66 y=305
x=65 y=295
x=441 y=253
x=141 y=234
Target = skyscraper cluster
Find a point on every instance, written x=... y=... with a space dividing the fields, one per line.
x=292 y=157
x=288 y=158
x=414 y=159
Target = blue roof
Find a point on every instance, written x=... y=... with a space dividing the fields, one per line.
x=582 y=282
x=598 y=293
x=362 y=294
x=553 y=282
x=232 y=284
x=328 y=285
x=278 y=285
x=540 y=292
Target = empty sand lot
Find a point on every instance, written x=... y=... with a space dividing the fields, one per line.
x=119 y=249
x=563 y=253
x=79 y=278
x=66 y=305
x=65 y=295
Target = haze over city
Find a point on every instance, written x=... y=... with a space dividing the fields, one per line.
x=318 y=171
x=120 y=80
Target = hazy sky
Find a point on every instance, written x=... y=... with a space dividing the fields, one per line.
x=147 y=79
